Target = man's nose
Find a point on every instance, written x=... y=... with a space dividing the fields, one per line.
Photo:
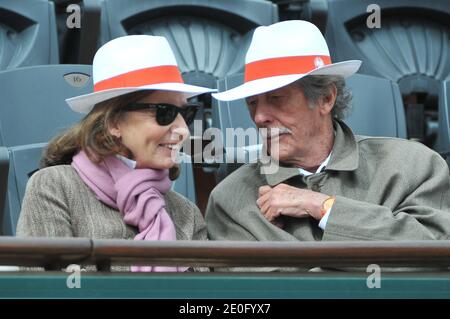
x=262 y=115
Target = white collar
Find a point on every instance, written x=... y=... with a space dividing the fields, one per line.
x=129 y=162
x=319 y=169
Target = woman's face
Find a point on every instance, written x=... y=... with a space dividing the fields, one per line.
x=152 y=145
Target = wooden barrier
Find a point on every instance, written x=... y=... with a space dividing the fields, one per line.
x=52 y=253
x=55 y=253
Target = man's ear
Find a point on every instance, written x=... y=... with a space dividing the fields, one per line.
x=328 y=101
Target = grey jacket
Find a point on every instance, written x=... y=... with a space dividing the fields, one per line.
x=386 y=189
x=57 y=203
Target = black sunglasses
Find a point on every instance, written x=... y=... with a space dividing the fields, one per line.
x=166 y=113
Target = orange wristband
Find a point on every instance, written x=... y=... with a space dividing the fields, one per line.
x=326 y=205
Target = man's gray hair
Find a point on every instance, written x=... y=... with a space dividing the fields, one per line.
x=316 y=87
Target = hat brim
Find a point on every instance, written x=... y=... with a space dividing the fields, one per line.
x=344 y=69
x=85 y=103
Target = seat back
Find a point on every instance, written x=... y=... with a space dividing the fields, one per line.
x=377 y=107
x=185 y=184
x=32 y=103
x=443 y=141
x=4 y=169
x=391 y=51
x=409 y=46
x=232 y=114
x=28 y=33
x=23 y=162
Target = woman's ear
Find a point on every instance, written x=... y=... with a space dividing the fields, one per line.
x=114 y=130
x=113 y=125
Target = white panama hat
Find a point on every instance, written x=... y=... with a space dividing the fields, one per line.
x=282 y=53
x=133 y=63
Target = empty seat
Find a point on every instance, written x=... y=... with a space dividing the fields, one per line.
x=27 y=33
x=410 y=47
x=208 y=38
x=185 y=184
x=4 y=168
x=413 y=37
x=33 y=110
x=377 y=107
x=377 y=110
x=23 y=161
x=32 y=102
x=443 y=141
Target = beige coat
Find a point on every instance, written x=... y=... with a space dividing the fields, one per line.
x=386 y=189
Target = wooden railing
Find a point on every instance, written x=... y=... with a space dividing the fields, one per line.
x=50 y=253
x=54 y=253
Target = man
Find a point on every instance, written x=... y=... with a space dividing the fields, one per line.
x=331 y=185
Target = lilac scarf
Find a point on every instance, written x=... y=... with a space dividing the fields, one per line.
x=137 y=193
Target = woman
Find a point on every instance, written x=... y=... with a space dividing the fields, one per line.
x=108 y=176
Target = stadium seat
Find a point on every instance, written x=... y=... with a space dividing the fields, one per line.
x=315 y=11
x=4 y=168
x=377 y=110
x=209 y=38
x=410 y=48
x=377 y=107
x=32 y=106
x=33 y=110
x=27 y=33
x=443 y=141
x=23 y=161
x=412 y=39
x=184 y=184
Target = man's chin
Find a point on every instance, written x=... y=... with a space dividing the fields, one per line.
x=277 y=155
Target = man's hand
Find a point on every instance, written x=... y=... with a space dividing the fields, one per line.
x=289 y=201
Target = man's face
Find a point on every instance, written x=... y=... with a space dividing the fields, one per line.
x=287 y=109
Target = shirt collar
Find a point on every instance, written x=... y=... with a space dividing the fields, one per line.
x=343 y=157
x=128 y=162
x=318 y=170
